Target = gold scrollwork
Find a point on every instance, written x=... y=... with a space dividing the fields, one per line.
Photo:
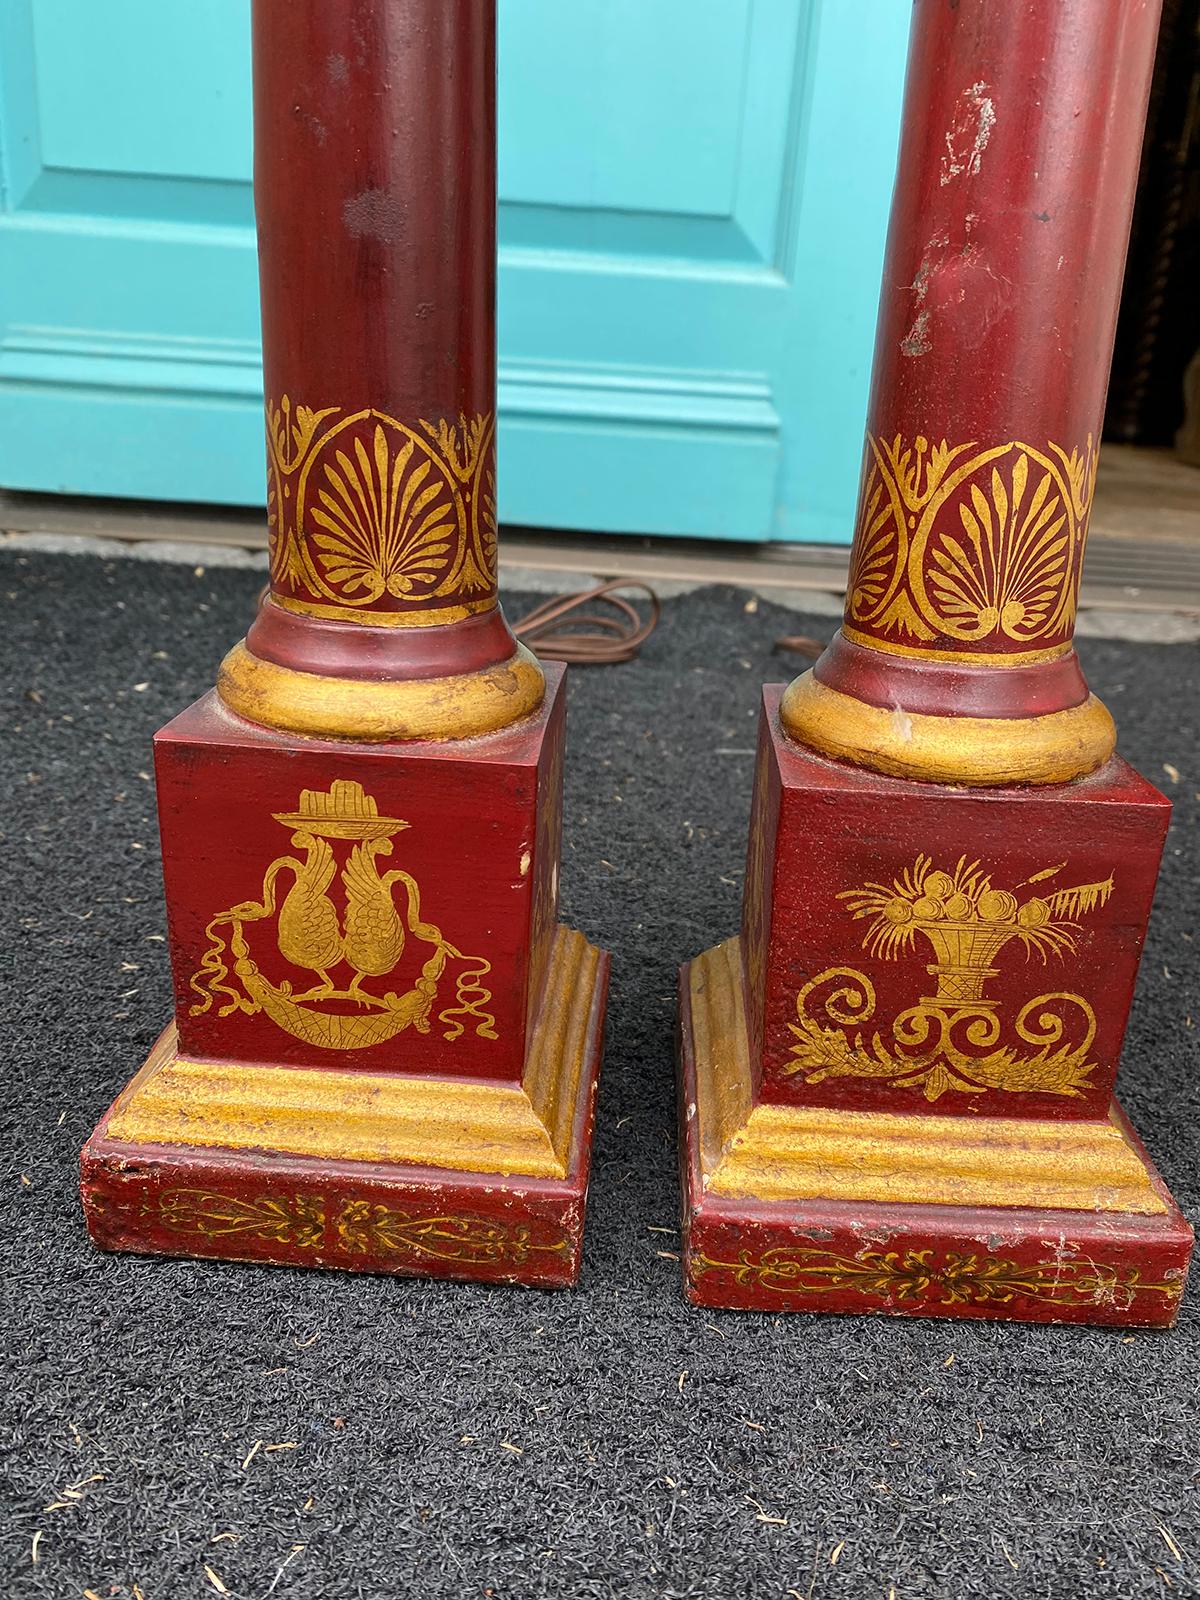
x=951 y=1279
x=369 y=938
x=359 y=1227
x=366 y=1229
x=298 y=1220
x=363 y=508
x=960 y=545
x=951 y=1040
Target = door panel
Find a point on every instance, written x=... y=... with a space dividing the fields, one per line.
x=693 y=199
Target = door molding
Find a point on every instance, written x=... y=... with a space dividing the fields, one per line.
x=640 y=415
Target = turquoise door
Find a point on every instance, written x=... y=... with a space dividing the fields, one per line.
x=693 y=202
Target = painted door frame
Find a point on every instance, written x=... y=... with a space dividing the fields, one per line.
x=729 y=396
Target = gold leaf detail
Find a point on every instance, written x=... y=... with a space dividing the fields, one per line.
x=964 y=545
x=299 y=1220
x=952 y=1040
x=386 y=529
x=368 y=513
x=365 y=937
x=950 y=1279
x=363 y=1228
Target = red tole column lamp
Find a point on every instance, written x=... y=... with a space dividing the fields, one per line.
x=385 y=1046
x=897 y=1082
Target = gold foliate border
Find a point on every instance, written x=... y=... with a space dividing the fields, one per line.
x=964 y=545
x=368 y=1229
x=374 y=519
x=950 y=1279
x=357 y=1227
x=297 y=1219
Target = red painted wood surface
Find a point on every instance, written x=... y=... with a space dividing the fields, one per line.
x=375 y=193
x=408 y=1220
x=994 y=1263
x=387 y=908
x=354 y=650
x=1018 y=161
x=480 y=840
x=822 y=833
x=975 y=691
x=356 y=1216
x=961 y=952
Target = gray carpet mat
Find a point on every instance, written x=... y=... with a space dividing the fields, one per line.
x=175 y=1429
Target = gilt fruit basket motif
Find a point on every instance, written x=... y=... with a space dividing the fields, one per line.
x=953 y=1039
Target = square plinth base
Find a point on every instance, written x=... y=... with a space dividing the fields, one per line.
x=911 y=944
x=277 y=1164
x=859 y=1255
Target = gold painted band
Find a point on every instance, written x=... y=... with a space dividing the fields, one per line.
x=973 y=658
x=978 y=751
x=434 y=618
x=460 y=707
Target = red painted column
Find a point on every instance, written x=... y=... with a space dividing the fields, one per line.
x=1018 y=163
x=897 y=1085
x=384 y=1048
x=375 y=186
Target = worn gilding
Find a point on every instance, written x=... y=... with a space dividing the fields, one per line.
x=932 y=1277
x=972 y=658
x=460 y=707
x=364 y=1116
x=356 y=1227
x=962 y=545
x=776 y=1152
x=976 y=751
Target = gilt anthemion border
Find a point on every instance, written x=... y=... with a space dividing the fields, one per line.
x=958 y=545
x=376 y=519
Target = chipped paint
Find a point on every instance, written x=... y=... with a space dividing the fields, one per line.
x=376 y=214
x=916 y=341
x=968 y=135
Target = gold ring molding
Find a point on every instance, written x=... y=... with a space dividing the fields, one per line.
x=461 y=707
x=978 y=751
x=435 y=618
